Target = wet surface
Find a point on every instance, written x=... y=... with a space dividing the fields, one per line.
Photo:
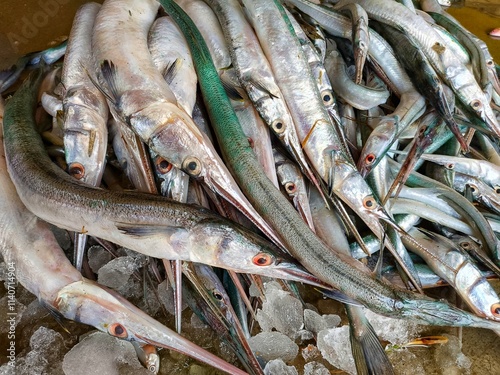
x=27 y=26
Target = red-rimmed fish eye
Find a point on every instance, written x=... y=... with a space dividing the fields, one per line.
x=290 y=187
x=450 y=166
x=495 y=309
x=262 y=259
x=370 y=159
x=76 y=170
x=465 y=245
x=278 y=126
x=476 y=104
x=117 y=330
x=369 y=203
x=163 y=166
x=192 y=166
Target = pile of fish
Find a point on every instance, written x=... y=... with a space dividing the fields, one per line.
x=352 y=146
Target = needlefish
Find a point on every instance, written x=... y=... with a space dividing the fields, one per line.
x=345 y=274
x=43 y=269
x=149 y=224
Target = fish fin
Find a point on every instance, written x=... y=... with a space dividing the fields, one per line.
x=258 y=84
x=56 y=314
x=111 y=97
x=339 y=296
x=230 y=88
x=171 y=70
x=140 y=230
x=108 y=71
x=369 y=355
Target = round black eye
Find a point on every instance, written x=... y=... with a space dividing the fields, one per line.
x=327 y=97
x=217 y=295
x=278 y=126
x=192 y=166
x=464 y=245
x=369 y=203
x=497 y=189
x=76 y=170
x=476 y=104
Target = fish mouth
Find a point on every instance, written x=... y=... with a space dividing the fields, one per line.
x=93 y=304
x=291 y=271
x=230 y=191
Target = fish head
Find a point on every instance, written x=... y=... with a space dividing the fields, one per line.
x=85 y=142
x=183 y=145
x=377 y=145
x=90 y=303
x=228 y=245
x=426 y=310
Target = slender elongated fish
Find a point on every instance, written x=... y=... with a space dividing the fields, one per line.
x=336 y=269
x=43 y=269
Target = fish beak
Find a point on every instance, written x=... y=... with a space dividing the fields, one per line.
x=221 y=182
x=90 y=303
x=301 y=202
x=288 y=270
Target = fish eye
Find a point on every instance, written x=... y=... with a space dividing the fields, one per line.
x=152 y=368
x=370 y=159
x=278 y=126
x=327 y=97
x=192 y=166
x=476 y=104
x=497 y=189
x=117 y=330
x=290 y=187
x=262 y=259
x=217 y=295
x=465 y=245
x=495 y=309
x=473 y=188
x=76 y=170
x=450 y=166
x=369 y=203
x=163 y=166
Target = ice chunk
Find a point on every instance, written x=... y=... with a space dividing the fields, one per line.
x=450 y=359
x=314 y=322
x=335 y=347
x=273 y=345
x=310 y=352
x=281 y=311
x=278 y=367
x=47 y=341
x=47 y=349
x=315 y=368
x=98 y=257
x=304 y=335
x=166 y=295
x=32 y=363
x=396 y=331
x=108 y=355
x=117 y=272
x=405 y=362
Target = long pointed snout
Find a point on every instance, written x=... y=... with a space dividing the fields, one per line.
x=90 y=303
